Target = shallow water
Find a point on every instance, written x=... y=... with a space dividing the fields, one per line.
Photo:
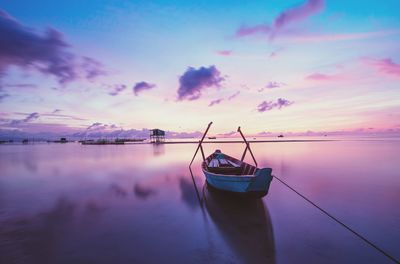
x=68 y=203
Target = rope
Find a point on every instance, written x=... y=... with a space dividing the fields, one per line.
x=340 y=222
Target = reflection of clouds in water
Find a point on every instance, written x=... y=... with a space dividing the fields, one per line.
x=188 y=193
x=143 y=192
x=93 y=208
x=30 y=165
x=118 y=190
x=35 y=239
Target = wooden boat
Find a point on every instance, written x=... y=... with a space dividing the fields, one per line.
x=232 y=175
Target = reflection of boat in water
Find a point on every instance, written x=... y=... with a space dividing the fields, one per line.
x=233 y=175
x=245 y=225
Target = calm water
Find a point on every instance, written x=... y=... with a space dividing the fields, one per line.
x=67 y=203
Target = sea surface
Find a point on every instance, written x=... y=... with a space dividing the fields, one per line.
x=137 y=203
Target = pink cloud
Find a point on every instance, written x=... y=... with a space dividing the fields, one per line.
x=234 y=95
x=284 y=19
x=385 y=66
x=244 y=31
x=269 y=105
x=215 y=102
x=271 y=85
x=118 y=88
x=323 y=77
x=297 y=13
x=316 y=37
x=224 y=52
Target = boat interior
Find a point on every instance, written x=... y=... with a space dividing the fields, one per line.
x=221 y=163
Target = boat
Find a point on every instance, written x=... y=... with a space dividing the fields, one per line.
x=212 y=137
x=234 y=176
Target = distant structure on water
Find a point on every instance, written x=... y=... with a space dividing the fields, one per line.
x=157 y=135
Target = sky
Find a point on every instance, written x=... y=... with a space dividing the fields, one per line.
x=269 y=66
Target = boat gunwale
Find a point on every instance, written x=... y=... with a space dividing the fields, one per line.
x=228 y=175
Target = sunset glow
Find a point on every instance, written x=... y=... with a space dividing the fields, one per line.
x=269 y=66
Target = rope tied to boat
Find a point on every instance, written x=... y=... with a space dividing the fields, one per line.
x=340 y=222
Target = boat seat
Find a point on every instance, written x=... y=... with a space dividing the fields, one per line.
x=224 y=166
x=234 y=164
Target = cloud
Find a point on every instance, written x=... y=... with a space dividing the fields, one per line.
x=94 y=125
x=117 y=89
x=234 y=95
x=269 y=105
x=224 y=52
x=142 y=86
x=56 y=115
x=193 y=81
x=385 y=66
x=244 y=31
x=298 y=13
x=215 y=102
x=21 y=86
x=284 y=19
x=228 y=134
x=323 y=77
x=273 y=54
x=101 y=130
x=92 y=68
x=3 y=96
x=264 y=133
x=47 y=53
x=317 y=37
x=27 y=119
x=271 y=85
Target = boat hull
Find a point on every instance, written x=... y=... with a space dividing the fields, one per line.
x=256 y=185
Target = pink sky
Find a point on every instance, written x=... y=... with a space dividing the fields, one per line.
x=277 y=68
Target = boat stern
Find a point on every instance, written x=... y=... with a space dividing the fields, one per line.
x=262 y=181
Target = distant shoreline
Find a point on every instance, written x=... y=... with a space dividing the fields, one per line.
x=234 y=141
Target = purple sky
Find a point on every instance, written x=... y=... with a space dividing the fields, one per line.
x=280 y=67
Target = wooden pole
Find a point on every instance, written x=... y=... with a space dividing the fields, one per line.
x=244 y=154
x=202 y=153
x=201 y=141
x=247 y=147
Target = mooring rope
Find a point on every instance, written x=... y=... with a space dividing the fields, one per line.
x=340 y=222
